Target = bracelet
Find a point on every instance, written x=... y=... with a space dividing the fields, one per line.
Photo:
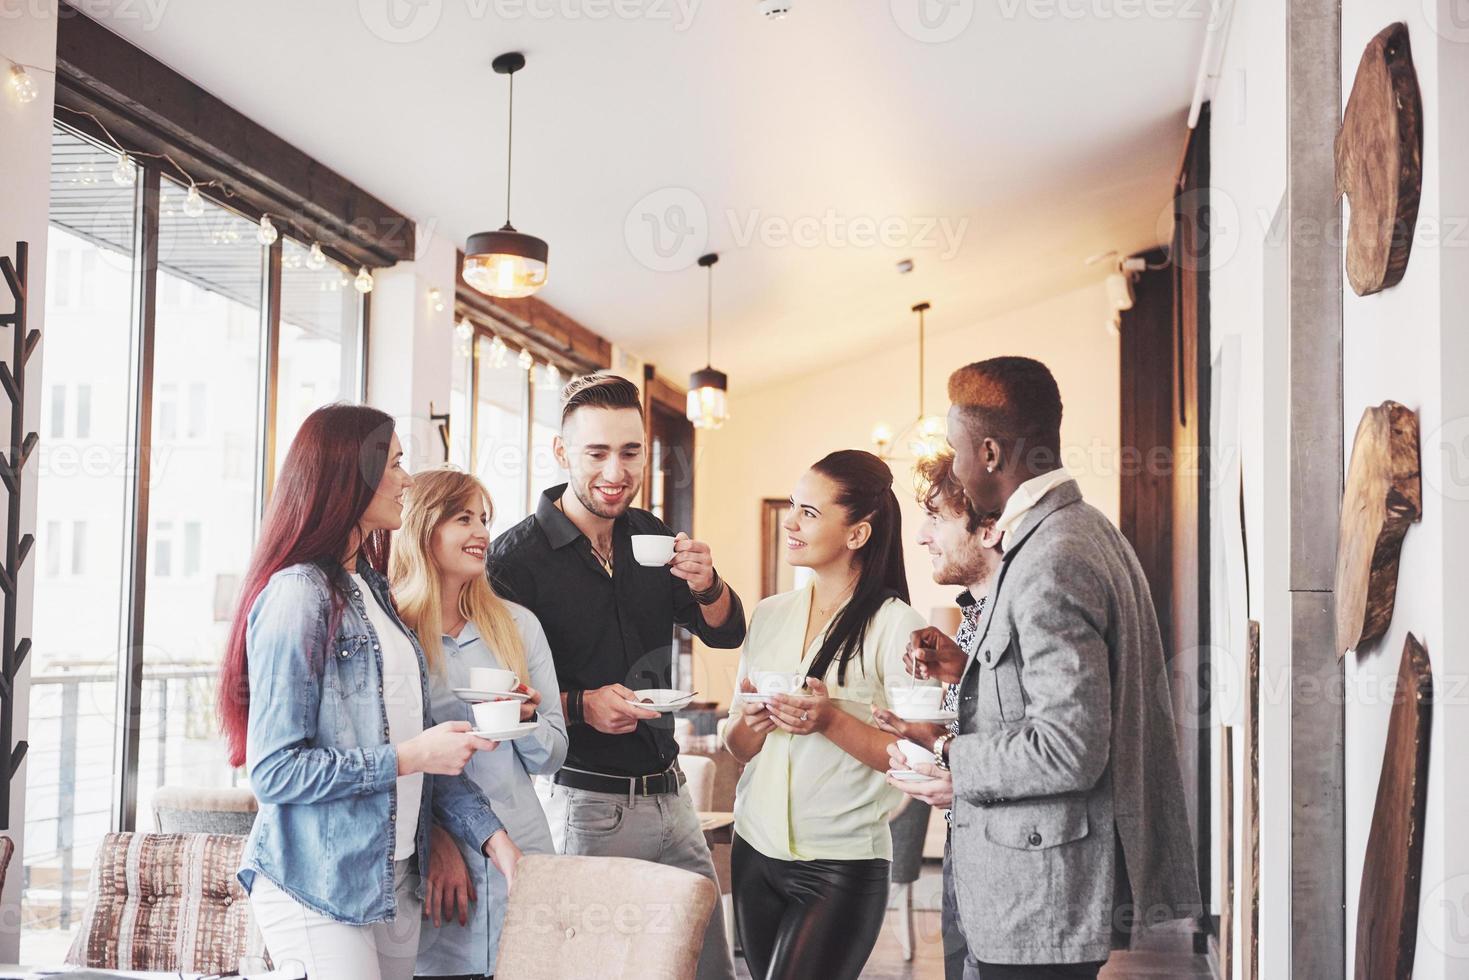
x=710 y=595
x=574 y=714
x=941 y=750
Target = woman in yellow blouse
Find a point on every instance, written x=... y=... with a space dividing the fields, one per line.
x=812 y=849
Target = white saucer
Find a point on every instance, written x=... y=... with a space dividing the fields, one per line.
x=473 y=694
x=752 y=696
x=521 y=730
x=935 y=717
x=665 y=706
x=907 y=775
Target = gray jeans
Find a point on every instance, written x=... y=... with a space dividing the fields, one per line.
x=663 y=829
x=958 y=964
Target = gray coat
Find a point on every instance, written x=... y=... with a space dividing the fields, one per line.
x=1069 y=816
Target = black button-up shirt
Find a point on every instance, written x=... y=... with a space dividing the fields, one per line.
x=605 y=629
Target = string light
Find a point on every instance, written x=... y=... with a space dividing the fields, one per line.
x=317 y=258
x=193 y=202
x=464 y=330
x=499 y=353
x=266 y=233
x=436 y=299
x=363 y=282
x=550 y=376
x=125 y=174
x=22 y=85
x=525 y=361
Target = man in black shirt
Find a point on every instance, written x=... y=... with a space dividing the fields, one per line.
x=610 y=623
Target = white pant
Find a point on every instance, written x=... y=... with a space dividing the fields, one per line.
x=330 y=949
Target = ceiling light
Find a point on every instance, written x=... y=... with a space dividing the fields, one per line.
x=926 y=434
x=505 y=263
x=708 y=398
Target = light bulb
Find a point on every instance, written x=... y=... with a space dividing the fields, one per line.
x=125 y=174
x=436 y=299
x=498 y=352
x=525 y=360
x=363 y=282
x=317 y=258
x=503 y=275
x=22 y=85
x=550 y=376
x=882 y=434
x=707 y=407
x=464 y=330
x=193 y=203
x=931 y=426
x=266 y=233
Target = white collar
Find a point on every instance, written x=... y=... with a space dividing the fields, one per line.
x=1025 y=497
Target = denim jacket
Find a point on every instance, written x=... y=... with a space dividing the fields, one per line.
x=318 y=756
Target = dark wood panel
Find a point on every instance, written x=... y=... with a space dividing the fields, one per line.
x=150 y=107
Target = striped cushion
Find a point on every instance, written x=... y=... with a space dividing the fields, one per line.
x=166 y=902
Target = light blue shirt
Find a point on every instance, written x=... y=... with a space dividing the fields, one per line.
x=505 y=777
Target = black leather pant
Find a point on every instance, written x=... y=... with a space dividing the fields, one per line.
x=803 y=919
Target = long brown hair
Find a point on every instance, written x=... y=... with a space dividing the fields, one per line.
x=865 y=491
x=328 y=480
x=436 y=497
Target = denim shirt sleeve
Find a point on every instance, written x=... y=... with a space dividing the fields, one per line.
x=286 y=636
x=463 y=810
x=544 y=750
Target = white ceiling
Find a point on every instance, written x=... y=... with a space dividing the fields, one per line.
x=1043 y=136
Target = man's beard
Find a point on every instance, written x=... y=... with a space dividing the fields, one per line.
x=601 y=508
x=960 y=572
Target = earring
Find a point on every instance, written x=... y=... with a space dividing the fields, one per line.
x=990 y=468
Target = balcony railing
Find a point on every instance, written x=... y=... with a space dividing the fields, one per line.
x=71 y=785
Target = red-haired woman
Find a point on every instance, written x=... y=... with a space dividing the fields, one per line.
x=323 y=697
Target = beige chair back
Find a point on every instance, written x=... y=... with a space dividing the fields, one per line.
x=700 y=772
x=603 y=917
x=196 y=810
x=166 y=902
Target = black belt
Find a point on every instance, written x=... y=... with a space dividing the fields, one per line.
x=656 y=784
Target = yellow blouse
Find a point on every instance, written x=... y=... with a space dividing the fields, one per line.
x=802 y=797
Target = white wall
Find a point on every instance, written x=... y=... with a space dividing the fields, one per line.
x=776 y=432
x=25 y=162
x=1398 y=345
x=1248 y=179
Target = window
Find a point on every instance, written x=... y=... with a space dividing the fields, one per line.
x=320 y=342
x=501 y=403
x=545 y=424
x=81 y=514
x=208 y=328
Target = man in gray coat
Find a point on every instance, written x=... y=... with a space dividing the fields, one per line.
x=1069 y=819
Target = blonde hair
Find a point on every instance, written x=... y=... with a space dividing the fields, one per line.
x=435 y=497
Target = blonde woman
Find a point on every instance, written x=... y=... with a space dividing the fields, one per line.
x=437 y=570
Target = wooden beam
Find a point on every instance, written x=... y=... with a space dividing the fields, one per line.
x=151 y=108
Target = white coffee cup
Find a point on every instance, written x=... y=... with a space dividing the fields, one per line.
x=652 y=549
x=914 y=752
x=492 y=679
x=496 y=716
x=777 y=681
x=924 y=700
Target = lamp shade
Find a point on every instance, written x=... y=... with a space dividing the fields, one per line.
x=505 y=264
x=708 y=404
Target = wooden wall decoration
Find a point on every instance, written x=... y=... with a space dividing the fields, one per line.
x=1249 y=936
x=1379 y=161
x=1387 y=909
x=1384 y=495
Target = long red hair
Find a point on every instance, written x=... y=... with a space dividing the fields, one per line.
x=325 y=485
